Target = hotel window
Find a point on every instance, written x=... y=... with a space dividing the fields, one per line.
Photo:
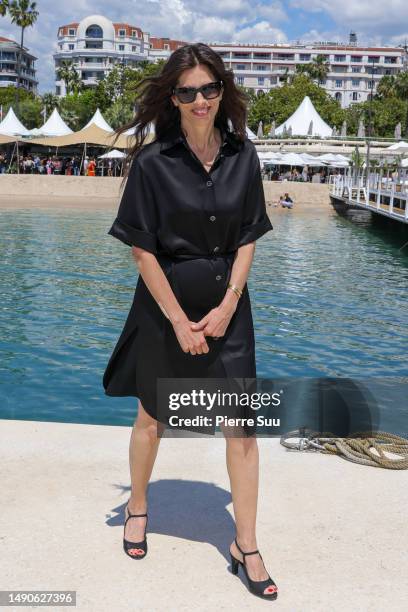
x=339 y=83
x=240 y=80
x=355 y=83
x=339 y=58
x=356 y=58
x=261 y=80
x=71 y=32
x=240 y=67
x=134 y=33
x=121 y=47
x=390 y=60
x=322 y=82
x=122 y=32
x=370 y=84
x=373 y=59
x=261 y=67
x=71 y=47
x=133 y=48
x=166 y=46
x=304 y=57
x=355 y=69
x=355 y=96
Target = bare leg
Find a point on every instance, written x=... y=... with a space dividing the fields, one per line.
x=143 y=447
x=243 y=469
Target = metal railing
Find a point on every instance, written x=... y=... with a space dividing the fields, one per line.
x=382 y=194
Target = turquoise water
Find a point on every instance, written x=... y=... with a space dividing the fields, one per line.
x=329 y=299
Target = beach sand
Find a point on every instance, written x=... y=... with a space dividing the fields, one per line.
x=103 y=194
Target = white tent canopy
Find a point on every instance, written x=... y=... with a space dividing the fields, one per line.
x=99 y=120
x=301 y=120
x=54 y=126
x=398 y=146
x=11 y=126
x=250 y=133
x=114 y=154
x=132 y=130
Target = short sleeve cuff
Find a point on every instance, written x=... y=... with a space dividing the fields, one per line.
x=133 y=237
x=250 y=233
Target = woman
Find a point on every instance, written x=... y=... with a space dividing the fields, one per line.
x=91 y=168
x=192 y=209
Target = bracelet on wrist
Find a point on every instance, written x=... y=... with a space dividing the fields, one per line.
x=235 y=289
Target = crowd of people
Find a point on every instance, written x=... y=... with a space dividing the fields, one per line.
x=52 y=164
x=306 y=175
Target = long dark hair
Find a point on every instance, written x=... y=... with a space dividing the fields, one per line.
x=155 y=106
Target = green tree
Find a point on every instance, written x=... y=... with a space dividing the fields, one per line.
x=30 y=112
x=7 y=96
x=4 y=4
x=386 y=87
x=50 y=101
x=24 y=14
x=281 y=102
x=401 y=87
x=118 y=114
x=66 y=72
x=317 y=69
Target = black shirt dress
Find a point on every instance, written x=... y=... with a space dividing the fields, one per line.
x=193 y=221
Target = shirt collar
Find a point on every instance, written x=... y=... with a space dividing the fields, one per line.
x=175 y=136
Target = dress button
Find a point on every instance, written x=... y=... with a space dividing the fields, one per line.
x=218 y=277
x=212 y=218
x=216 y=249
x=209 y=183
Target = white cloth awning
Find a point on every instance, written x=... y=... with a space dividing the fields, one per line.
x=398 y=146
x=114 y=154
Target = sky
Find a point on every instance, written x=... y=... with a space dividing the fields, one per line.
x=238 y=21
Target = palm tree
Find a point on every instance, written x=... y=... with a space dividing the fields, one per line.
x=67 y=73
x=387 y=86
x=64 y=73
x=24 y=14
x=50 y=101
x=401 y=88
x=319 y=68
x=76 y=81
x=4 y=4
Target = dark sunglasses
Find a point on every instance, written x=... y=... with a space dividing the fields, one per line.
x=186 y=95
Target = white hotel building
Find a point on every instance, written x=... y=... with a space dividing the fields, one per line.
x=96 y=44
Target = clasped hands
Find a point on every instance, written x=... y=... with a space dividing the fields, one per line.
x=191 y=335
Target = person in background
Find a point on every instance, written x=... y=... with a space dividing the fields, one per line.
x=91 y=167
x=86 y=162
x=287 y=201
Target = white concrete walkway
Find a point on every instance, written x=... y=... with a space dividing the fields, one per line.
x=333 y=534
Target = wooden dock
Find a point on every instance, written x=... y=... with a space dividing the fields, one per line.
x=389 y=200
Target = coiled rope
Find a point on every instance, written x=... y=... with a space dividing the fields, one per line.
x=366 y=448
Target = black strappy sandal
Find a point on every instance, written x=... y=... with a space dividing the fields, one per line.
x=129 y=545
x=256 y=587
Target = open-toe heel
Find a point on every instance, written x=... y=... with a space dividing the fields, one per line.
x=256 y=587
x=127 y=545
